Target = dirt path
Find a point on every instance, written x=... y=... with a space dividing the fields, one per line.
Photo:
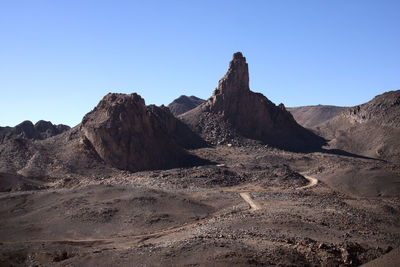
x=250 y=201
x=255 y=206
x=141 y=237
x=313 y=182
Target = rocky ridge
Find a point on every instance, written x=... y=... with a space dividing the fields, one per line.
x=371 y=129
x=383 y=110
x=26 y=129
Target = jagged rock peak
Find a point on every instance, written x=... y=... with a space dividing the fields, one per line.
x=236 y=80
x=233 y=112
x=115 y=99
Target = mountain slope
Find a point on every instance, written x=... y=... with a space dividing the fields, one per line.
x=311 y=116
x=371 y=129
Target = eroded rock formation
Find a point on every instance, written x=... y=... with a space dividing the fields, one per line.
x=128 y=135
x=237 y=111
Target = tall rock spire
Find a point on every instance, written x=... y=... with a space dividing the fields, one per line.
x=236 y=79
x=251 y=115
x=232 y=87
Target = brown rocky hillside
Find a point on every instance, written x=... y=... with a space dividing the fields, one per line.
x=371 y=129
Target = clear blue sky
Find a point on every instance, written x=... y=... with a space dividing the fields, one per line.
x=59 y=58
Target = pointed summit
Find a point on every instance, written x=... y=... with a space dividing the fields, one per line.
x=236 y=79
x=234 y=112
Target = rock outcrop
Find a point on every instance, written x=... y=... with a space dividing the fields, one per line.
x=128 y=135
x=234 y=112
x=27 y=130
x=184 y=103
x=382 y=110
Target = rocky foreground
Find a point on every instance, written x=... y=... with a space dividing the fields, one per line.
x=197 y=216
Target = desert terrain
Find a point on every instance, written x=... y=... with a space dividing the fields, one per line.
x=258 y=206
x=234 y=181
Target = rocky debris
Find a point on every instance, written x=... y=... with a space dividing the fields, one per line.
x=128 y=135
x=184 y=103
x=316 y=227
x=233 y=110
x=26 y=129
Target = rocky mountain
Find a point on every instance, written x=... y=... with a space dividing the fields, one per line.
x=120 y=132
x=234 y=112
x=311 y=116
x=39 y=131
x=128 y=135
x=184 y=103
x=371 y=129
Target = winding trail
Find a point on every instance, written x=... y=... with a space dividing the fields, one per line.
x=313 y=182
x=255 y=206
x=250 y=201
x=133 y=239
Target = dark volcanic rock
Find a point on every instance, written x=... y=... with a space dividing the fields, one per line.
x=234 y=111
x=41 y=130
x=128 y=135
x=184 y=104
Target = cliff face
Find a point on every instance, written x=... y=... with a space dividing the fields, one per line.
x=247 y=114
x=128 y=135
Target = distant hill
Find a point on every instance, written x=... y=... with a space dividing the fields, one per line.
x=184 y=103
x=39 y=131
x=371 y=129
x=311 y=116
